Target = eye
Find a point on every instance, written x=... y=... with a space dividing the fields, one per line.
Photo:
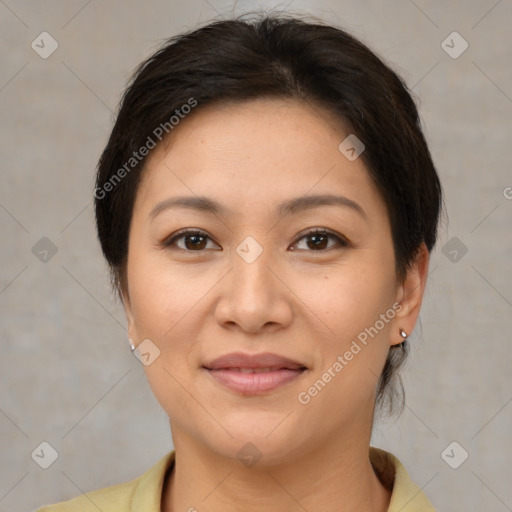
x=319 y=240
x=194 y=240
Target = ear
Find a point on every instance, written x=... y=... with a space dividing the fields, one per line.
x=410 y=294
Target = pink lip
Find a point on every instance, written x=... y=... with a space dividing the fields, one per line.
x=227 y=371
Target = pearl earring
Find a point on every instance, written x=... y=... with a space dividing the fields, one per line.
x=404 y=336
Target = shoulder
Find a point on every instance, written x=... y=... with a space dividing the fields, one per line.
x=146 y=489
x=406 y=496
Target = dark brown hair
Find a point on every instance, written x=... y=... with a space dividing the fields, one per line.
x=276 y=57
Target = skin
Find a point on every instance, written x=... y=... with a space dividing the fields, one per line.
x=295 y=300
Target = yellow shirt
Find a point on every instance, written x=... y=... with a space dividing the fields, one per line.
x=144 y=493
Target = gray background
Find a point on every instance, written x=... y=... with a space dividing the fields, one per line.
x=67 y=376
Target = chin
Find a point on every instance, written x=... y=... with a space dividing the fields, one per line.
x=259 y=442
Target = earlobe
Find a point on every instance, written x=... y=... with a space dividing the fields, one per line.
x=410 y=294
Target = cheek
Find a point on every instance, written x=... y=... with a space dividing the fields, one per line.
x=169 y=306
x=350 y=297
x=161 y=296
x=355 y=304
x=164 y=302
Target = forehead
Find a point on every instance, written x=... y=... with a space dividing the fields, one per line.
x=256 y=153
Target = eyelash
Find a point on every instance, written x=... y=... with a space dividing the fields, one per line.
x=170 y=243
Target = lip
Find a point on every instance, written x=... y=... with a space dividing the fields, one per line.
x=253 y=361
x=254 y=374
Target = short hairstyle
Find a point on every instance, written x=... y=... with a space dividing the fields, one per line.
x=276 y=56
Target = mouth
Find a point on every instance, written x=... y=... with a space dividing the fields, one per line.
x=258 y=374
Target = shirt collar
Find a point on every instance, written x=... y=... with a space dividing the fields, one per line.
x=406 y=496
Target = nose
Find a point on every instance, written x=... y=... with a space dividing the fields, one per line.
x=254 y=297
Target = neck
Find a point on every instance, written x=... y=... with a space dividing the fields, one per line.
x=335 y=476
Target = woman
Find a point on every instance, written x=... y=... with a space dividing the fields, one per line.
x=267 y=204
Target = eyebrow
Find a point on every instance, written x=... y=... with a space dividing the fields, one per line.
x=299 y=204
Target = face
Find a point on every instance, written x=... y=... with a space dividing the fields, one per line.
x=290 y=253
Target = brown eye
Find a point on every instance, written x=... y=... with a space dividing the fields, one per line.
x=188 y=240
x=193 y=242
x=318 y=240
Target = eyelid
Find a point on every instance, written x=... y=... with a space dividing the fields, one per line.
x=169 y=241
x=341 y=239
